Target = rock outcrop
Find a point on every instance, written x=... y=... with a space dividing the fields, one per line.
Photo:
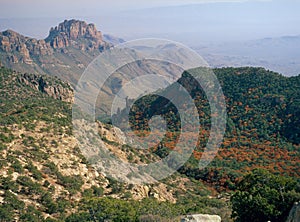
x=21 y=49
x=39 y=47
x=59 y=91
x=158 y=192
x=18 y=49
x=201 y=218
x=11 y=42
x=76 y=33
x=294 y=215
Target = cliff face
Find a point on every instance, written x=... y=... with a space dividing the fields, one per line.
x=56 y=90
x=75 y=33
x=65 y=53
x=20 y=48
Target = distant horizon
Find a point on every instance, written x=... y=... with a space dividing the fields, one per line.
x=191 y=22
x=225 y=32
x=40 y=36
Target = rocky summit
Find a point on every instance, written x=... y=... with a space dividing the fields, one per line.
x=72 y=33
x=20 y=48
x=65 y=53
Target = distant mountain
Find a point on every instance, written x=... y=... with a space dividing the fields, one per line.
x=73 y=44
x=112 y=39
x=69 y=48
x=65 y=53
x=278 y=54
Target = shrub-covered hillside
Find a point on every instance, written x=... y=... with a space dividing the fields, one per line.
x=263 y=110
x=44 y=177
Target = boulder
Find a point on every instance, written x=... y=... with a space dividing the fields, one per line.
x=294 y=215
x=201 y=218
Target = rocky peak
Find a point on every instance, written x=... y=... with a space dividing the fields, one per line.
x=11 y=34
x=11 y=40
x=22 y=48
x=76 y=33
x=76 y=29
x=33 y=55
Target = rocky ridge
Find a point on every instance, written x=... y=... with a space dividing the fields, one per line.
x=67 y=33
x=65 y=53
x=56 y=90
x=21 y=47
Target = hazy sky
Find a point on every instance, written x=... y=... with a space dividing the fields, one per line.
x=41 y=8
x=189 y=21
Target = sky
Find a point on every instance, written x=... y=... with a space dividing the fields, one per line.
x=58 y=8
x=188 y=21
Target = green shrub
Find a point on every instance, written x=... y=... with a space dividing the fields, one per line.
x=36 y=174
x=71 y=183
x=262 y=196
x=49 y=204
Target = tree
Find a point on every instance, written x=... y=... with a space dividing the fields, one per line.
x=262 y=196
x=105 y=209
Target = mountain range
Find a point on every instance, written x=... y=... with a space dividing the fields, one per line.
x=46 y=177
x=65 y=53
x=73 y=44
x=279 y=54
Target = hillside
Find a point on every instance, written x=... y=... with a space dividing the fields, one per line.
x=44 y=176
x=66 y=53
x=262 y=125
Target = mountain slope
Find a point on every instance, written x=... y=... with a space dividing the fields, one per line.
x=44 y=176
x=65 y=53
x=262 y=125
